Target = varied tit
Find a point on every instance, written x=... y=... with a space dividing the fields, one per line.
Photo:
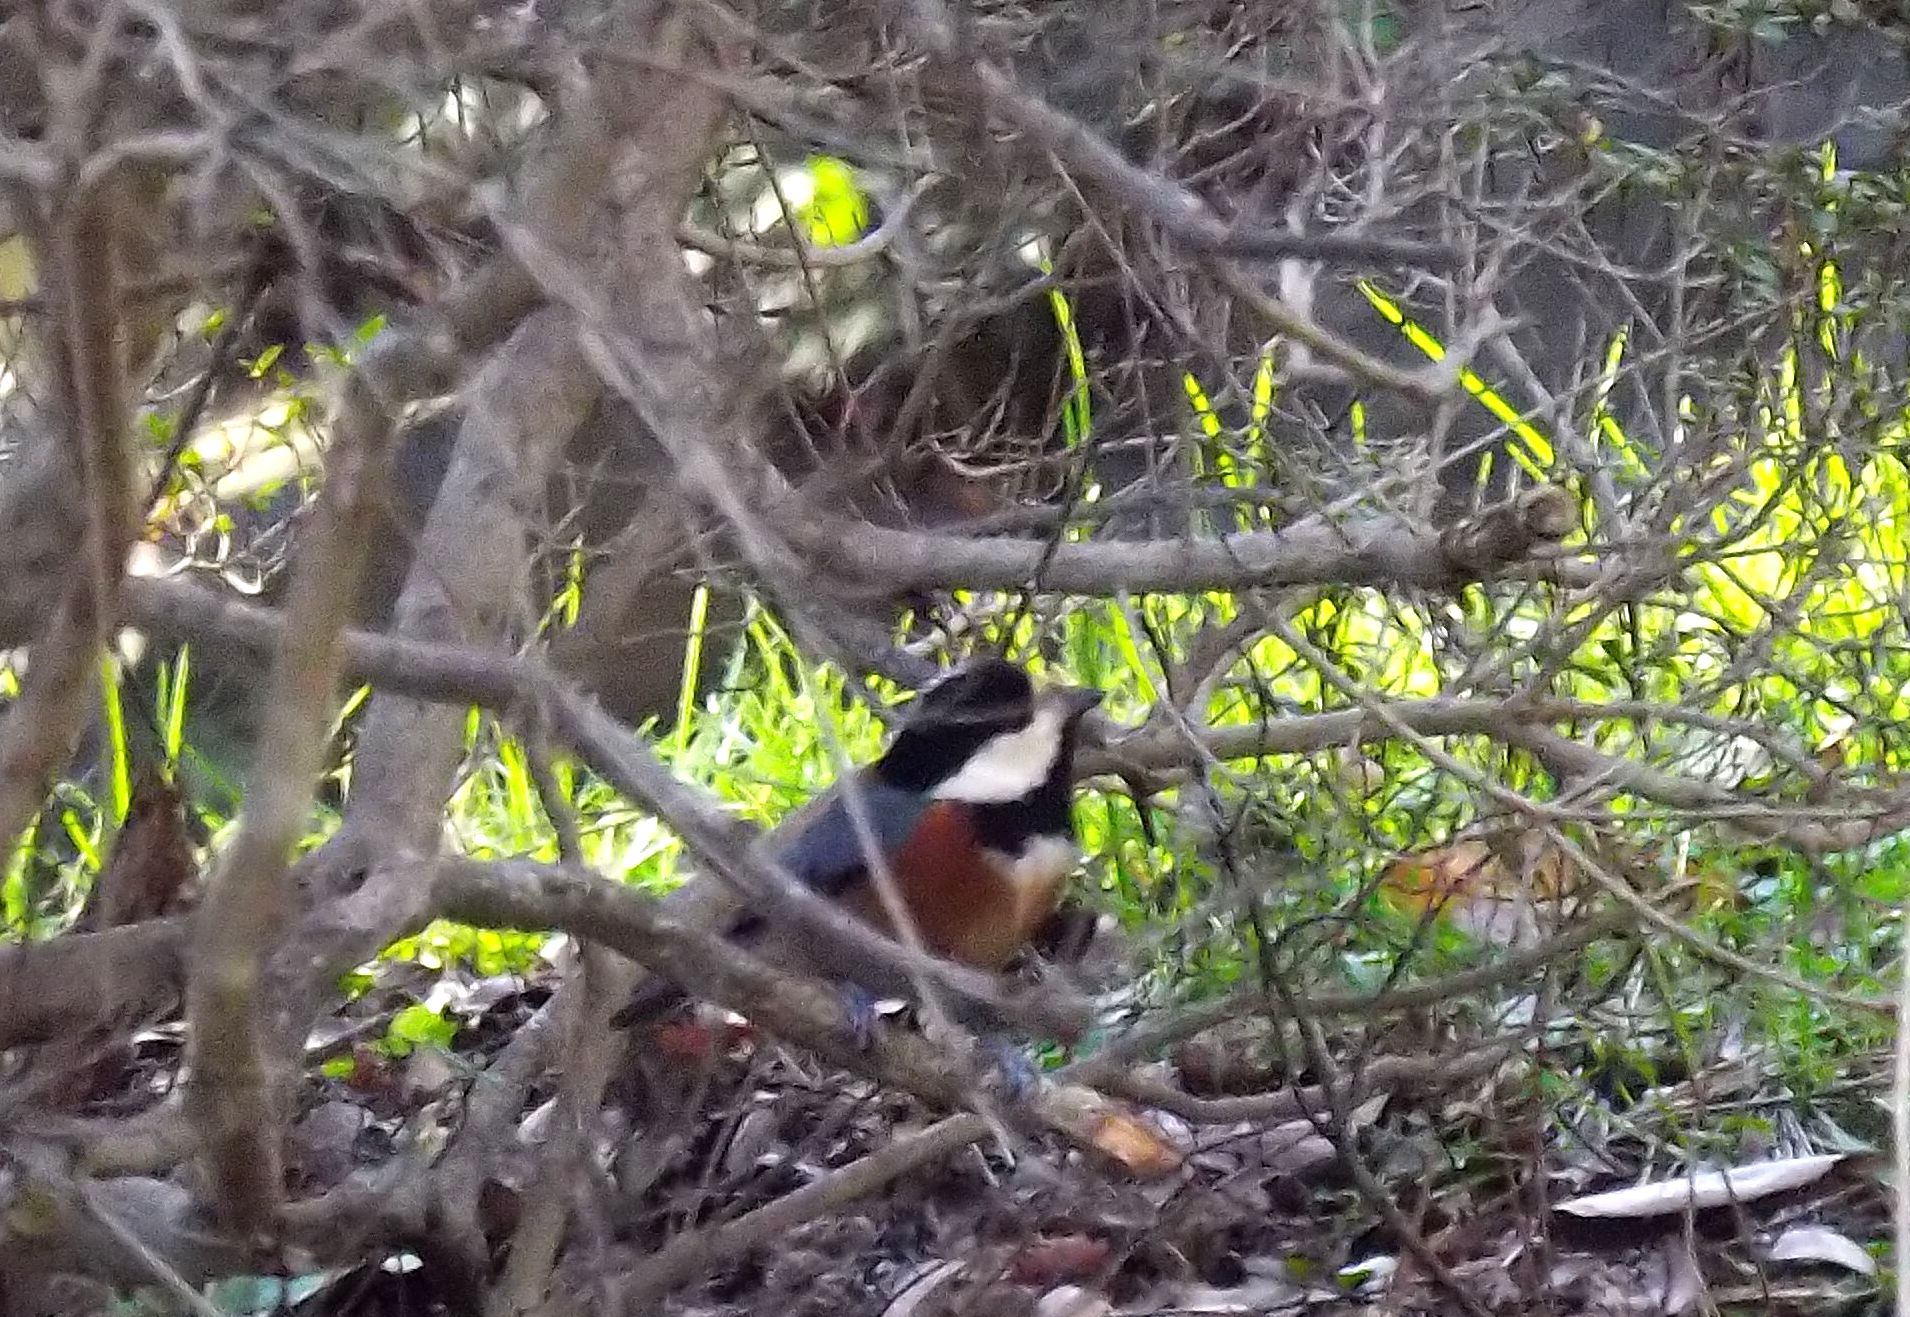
x=971 y=811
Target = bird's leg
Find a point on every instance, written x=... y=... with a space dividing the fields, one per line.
x=860 y=1006
x=1018 y=1071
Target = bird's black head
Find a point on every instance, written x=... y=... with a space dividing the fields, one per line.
x=984 y=735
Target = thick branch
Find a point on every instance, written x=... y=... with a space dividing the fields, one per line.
x=442 y=672
x=249 y=899
x=1374 y=551
x=467 y=580
x=49 y=989
x=523 y=894
x=41 y=728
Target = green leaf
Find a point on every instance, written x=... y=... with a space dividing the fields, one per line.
x=266 y=360
x=246 y=1295
x=122 y=759
x=418 y=1025
x=837 y=212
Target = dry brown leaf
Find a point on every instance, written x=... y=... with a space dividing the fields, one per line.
x=1097 y=1122
x=1490 y=886
x=1056 y=1258
x=151 y=866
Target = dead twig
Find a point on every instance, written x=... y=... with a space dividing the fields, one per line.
x=947 y=1073
x=697 y=1252
x=1387 y=1074
x=1165 y=202
x=1362 y=550
x=157 y=1267
x=1149 y=1039
x=596 y=983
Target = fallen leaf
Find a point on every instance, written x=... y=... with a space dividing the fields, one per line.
x=1740 y=1184
x=1111 y=1130
x=1072 y=1301
x=1822 y=1244
x=921 y=1286
x=1136 y=1145
x=324 y=1141
x=1258 y=1295
x=372 y=1072
x=754 y=1139
x=535 y=1128
x=1307 y=1152
x=1369 y=1275
x=1675 y=1284
x=1058 y=1258
x=427 y=1071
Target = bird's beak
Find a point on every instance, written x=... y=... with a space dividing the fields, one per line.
x=1077 y=700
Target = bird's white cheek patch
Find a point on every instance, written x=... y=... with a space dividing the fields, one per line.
x=1009 y=766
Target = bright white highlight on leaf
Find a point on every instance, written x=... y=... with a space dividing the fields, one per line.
x=1740 y=1184
x=1822 y=1244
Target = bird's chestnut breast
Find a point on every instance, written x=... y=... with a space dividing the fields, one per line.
x=970 y=902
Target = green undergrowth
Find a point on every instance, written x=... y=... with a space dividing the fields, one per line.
x=1800 y=561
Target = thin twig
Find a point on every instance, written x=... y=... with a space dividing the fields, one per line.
x=697 y=1252
x=182 y=610
x=1900 y=1123
x=161 y=1271
x=1165 y=202
x=1151 y=1038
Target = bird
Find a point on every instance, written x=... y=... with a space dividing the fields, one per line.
x=971 y=811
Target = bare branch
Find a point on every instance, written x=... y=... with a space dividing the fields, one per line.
x=79 y=254
x=694 y=1253
x=1175 y=209
x=521 y=894
x=457 y=674
x=48 y=989
x=598 y=983
x=1374 y=550
x=1419 y=1076
x=1107 y=1066
x=466 y=582
x=233 y=1097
